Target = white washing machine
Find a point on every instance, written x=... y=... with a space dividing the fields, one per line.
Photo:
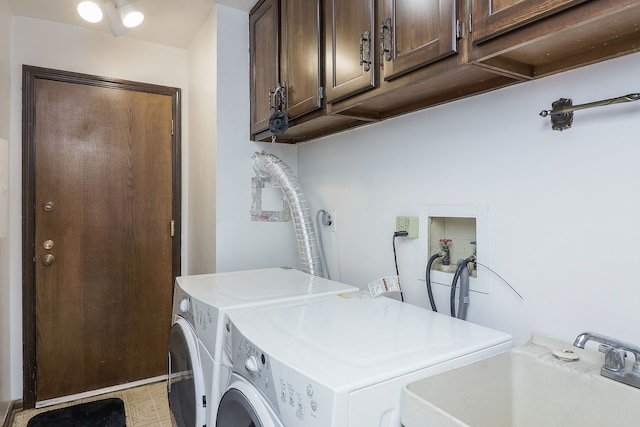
x=340 y=360
x=198 y=369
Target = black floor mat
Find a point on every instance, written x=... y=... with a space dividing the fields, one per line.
x=101 y=413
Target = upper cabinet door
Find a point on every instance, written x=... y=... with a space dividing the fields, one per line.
x=301 y=50
x=265 y=61
x=415 y=33
x=350 y=45
x=494 y=17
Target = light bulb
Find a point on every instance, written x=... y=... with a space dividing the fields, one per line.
x=89 y=11
x=131 y=16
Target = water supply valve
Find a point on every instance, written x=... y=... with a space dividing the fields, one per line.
x=445 y=251
x=475 y=257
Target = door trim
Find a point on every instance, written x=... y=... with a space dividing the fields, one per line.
x=29 y=76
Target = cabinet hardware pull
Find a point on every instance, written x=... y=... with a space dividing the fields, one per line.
x=365 y=51
x=385 y=39
x=277 y=98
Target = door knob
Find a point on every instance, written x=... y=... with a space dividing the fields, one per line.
x=48 y=259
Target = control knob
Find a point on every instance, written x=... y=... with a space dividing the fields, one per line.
x=185 y=305
x=251 y=365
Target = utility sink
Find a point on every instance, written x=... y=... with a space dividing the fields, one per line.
x=525 y=387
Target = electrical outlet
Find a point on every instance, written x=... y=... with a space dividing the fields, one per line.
x=328 y=221
x=408 y=224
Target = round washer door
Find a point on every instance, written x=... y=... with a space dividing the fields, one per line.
x=243 y=405
x=186 y=384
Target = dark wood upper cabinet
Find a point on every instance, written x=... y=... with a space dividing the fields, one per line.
x=495 y=17
x=264 y=61
x=415 y=33
x=352 y=55
x=301 y=49
x=531 y=39
x=346 y=63
x=285 y=50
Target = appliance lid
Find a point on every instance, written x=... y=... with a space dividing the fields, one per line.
x=351 y=339
x=254 y=287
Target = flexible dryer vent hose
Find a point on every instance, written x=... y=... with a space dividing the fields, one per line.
x=271 y=167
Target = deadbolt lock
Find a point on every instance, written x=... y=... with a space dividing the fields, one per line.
x=48 y=206
x=48 y=244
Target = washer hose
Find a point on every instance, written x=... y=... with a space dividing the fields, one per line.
x=428 y=279
x=464 y=293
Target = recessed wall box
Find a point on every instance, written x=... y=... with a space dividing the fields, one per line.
x=463 y=229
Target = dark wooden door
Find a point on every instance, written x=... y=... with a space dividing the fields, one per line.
x=494 y=17
x=264 y=27
x=300 y=48
x=103 y=160
x=350 y=47
x=416 y=33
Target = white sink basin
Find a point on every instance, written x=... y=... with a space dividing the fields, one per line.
x=525 y=387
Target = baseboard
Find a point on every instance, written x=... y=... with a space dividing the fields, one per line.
x=15 y=406
x=92 y=393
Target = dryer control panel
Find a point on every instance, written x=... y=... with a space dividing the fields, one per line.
x=182 y=304
x=296 y=399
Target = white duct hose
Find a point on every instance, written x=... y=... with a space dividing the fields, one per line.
x=269 y=166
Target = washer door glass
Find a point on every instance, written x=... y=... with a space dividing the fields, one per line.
x=235 y=410
x=242 y=405
x=186 y=384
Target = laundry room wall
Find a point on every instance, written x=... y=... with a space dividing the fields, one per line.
x=200 y=189
x=5 y=301
x=221 y=236
x=52 y=45
x=563 y=207
x=241 y=243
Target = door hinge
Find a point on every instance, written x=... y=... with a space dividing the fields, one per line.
x=470 y=22
x=458 y=29
x=173 y=127
x=321 y=92
x=172 y=226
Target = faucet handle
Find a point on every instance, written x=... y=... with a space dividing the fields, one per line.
x=614 y=358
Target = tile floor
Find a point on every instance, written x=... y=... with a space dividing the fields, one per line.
x=144 y=406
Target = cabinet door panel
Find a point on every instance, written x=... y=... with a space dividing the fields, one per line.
x=263 y=30
x=349 y=35
x=301 y=53
x=421 y=32
x=495 y=17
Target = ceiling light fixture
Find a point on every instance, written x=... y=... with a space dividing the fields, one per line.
x=90 y=11
x=129 y=14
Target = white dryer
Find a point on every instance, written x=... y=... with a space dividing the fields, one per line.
x=198 y=369
x=340 y=360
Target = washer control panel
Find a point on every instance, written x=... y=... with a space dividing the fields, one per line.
x=182 y=304
x=296 y=399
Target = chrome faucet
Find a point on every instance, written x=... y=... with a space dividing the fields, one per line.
x=614 y=361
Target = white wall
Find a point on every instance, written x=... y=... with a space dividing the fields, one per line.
x=200 y=191
x=241 y=243
x=52 y=45
x=5 y=319
x=221 y=236
x=564 y=207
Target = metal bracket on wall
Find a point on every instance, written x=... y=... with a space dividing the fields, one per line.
x=562 y=110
